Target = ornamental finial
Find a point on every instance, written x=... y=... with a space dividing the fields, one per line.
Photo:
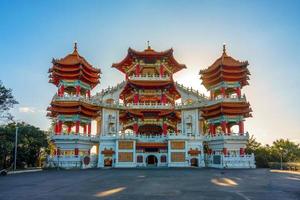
x=75 y=46
x=224 y=48
x=148 y=44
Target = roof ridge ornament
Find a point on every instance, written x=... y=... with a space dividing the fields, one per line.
x=224 y=48
x=148 y=45
x=75 y=46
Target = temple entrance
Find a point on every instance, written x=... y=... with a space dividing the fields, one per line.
x=108 y=162
x=151 y=160
x=194 y=162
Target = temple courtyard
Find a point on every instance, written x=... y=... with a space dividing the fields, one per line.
x=159 y=183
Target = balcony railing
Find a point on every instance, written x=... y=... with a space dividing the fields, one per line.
x=227 y=99
x=149 y=105
x=232 y=136
x=149 y=77
x=64 y=136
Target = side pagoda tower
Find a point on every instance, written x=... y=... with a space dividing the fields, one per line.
x=227 y=109
x=72 y=112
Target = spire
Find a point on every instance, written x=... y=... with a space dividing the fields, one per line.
x=75 y=47
x=224 y=48
x=148 y=45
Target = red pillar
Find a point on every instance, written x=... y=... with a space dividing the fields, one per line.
x=137 y=70
x=136 y=98
x=78 y=90
x=225 y=151
x=69 y=129
x=211 y=129
x=228 y=129
x=223 y=124
x=76 y=151
x=212 y=95
x=238 y=92
x=89 y=129
x=165 y=129
x=88 y=94
x=56 y=128
x=58 y=151
x=163 y=99
x=223 y=92
x=161 y=70
x=59 y=127
x=242 y=151
x=62 y=90
x=84 y=128
x=135 y=128
x=241 y=127
x=77 y=127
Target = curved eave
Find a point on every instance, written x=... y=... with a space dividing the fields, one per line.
x=148 y=53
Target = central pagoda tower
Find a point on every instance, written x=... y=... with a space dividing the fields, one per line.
x=150 y=91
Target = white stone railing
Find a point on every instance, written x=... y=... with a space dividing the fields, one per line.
x=232 y=136
x=227 y=99
x=149 y=77
x=141 y=105
x=64 y=136
x=149 y=105
x=233 y=161
x=150 y=137
x=189 y=105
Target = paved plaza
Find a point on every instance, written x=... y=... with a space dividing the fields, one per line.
x=152 y=184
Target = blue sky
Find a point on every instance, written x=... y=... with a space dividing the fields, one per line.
x=266 y=33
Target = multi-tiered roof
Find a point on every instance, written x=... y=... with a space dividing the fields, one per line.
x=74 y=67
x=225 y=69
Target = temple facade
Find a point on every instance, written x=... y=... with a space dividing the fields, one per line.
x=149 y=120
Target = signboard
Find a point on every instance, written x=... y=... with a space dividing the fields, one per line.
x=125 y=157
x=177 y=157
x=177 y=145
x=125 y=144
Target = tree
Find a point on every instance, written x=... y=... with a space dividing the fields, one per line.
x=30 y=142
x=289 y=151
x=252 y=145
x=7 y=101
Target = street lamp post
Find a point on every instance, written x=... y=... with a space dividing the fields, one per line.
x=280 y=148
x=16 y=149
x=58 y=155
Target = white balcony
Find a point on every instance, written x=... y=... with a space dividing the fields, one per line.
x=82 y=137
x=232 y=136
x=227 y=99
x=149 y=105
x=150 y=77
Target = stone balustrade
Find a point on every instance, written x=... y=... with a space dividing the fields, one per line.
x=231 y=136
x=72 y=136
x=149 y=77
x=227 y=99
x=149 y=105
x=232 y=161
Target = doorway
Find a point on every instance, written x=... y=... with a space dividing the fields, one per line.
x=151 y=161
x=194 y=162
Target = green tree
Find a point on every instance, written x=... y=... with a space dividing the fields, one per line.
x=7 y=101
x=252 y=145
x=289 y=151
x=31 y=140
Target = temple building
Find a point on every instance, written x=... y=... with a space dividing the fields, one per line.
x=149 y=120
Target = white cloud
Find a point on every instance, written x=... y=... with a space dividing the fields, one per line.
x=27 y=110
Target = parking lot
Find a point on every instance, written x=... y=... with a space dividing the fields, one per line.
x=164 y=183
